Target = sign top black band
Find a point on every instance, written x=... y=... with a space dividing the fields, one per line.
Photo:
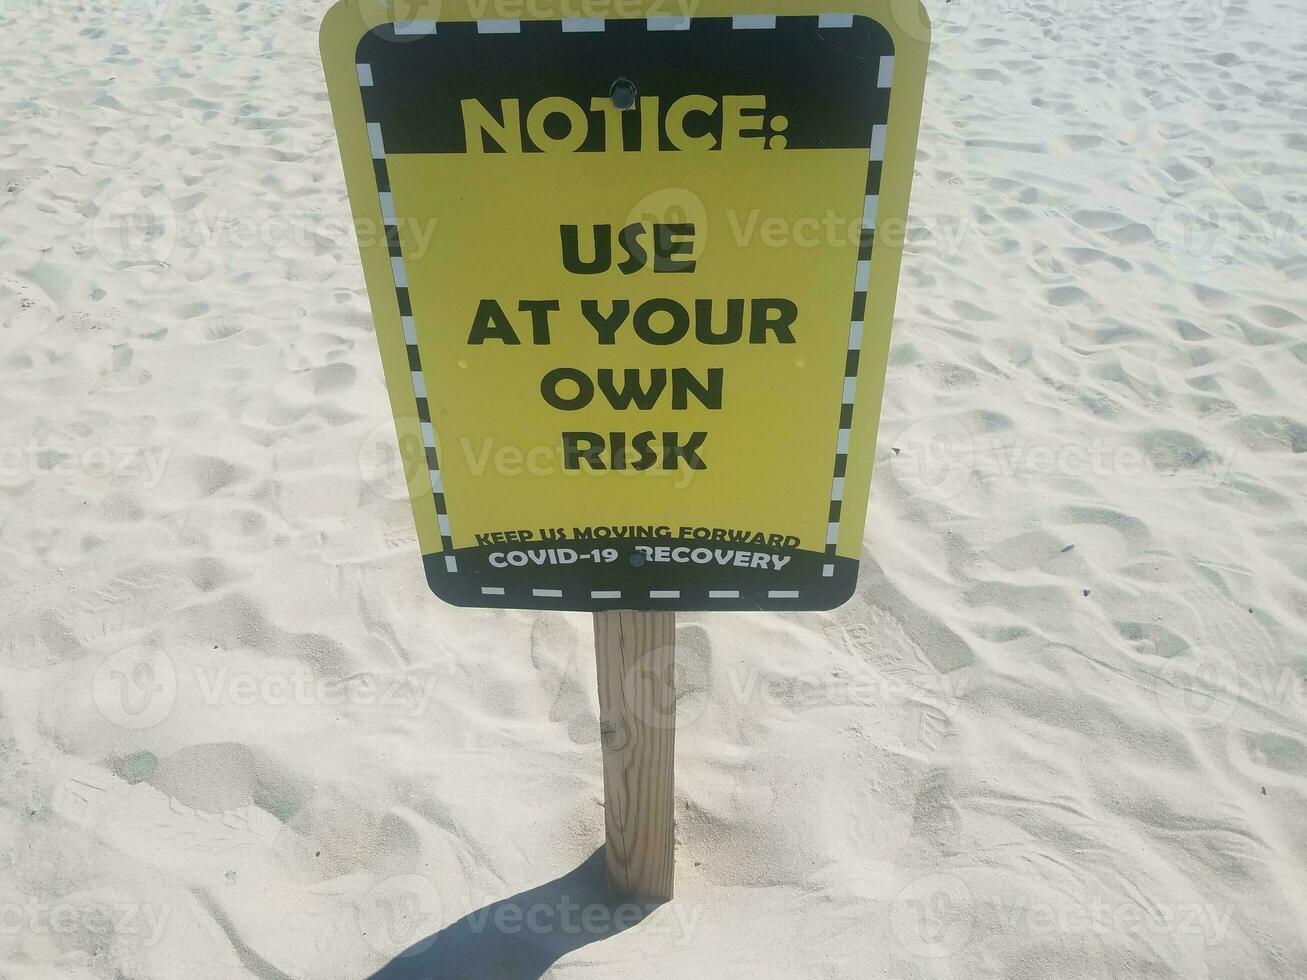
x=806 y=72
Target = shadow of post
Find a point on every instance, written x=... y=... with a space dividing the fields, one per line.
x=521 y=937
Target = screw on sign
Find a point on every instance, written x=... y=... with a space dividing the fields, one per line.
x=698 y=410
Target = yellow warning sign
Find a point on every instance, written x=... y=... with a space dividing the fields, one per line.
x=629 y=291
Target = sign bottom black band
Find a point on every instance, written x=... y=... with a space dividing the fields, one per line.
x=640 y=573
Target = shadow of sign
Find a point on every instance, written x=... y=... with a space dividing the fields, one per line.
x=521 y=937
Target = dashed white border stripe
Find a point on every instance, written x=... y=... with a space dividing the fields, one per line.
x=365 y=75
x=869 y=209
x=606 y=594
x=886 y=76
x=492 y=590
x=375 y=144
x=582 y=25
x=664 y=593
x=753 y=22
x=878 y=142
x=864 y=274
x=834 y=20
x=399 y=277
x=415 y=27
x=783 y=594
x=547 y=593
x=668 y=23
x=855 y=335
x=723 y=593
x=499 y=26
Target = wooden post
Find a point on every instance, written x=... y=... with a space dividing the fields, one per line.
x=636 y=657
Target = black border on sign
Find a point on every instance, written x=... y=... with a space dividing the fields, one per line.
x=630 y=582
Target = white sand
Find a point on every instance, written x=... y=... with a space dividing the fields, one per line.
x=1007 y=757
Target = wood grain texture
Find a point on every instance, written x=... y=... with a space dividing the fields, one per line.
x=636 y=657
